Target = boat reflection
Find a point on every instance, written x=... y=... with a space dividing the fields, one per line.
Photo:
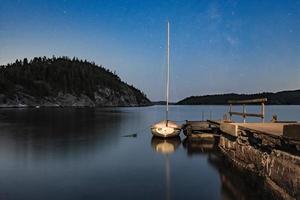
x=166 y=146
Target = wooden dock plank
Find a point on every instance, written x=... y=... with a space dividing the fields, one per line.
x=267 y=128
x=262 y=100
x=273 y=129
x=292 y=131
x=230 y=128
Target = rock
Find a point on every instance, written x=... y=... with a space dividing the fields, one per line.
x=292 y=131
x=104 y=96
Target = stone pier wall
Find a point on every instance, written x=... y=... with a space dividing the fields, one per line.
x=280 y=170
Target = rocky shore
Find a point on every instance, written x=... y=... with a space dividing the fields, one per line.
x=103 y=97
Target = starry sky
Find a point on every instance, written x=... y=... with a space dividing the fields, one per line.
x=216 y=46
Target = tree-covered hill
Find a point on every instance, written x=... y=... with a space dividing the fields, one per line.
x=63 y=81
x=278 y=98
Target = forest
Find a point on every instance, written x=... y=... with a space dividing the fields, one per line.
x=279 y=98
x=42 y=77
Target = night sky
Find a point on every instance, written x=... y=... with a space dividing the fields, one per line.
x=216 y=46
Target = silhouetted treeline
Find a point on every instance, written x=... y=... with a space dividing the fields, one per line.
x=279 y=98
x=162 y=103
x=43 y=76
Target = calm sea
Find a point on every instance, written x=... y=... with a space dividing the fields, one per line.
x=82 y=153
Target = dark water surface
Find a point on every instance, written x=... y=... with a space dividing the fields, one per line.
x=81 y=154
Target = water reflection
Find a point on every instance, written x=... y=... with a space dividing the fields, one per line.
x=81 y=154
x=235 y=184
x=199 y=146
x=45 y=134
x=166 y=146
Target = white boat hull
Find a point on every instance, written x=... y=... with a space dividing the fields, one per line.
x=165 y=129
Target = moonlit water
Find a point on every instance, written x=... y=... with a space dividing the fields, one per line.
x=51 y=153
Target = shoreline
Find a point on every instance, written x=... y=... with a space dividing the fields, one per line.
x=60 y=106
x=120 y=106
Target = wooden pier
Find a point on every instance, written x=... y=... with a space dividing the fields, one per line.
x=199 y=131
x=270 y=128
x=289 y=131
x=267 y=149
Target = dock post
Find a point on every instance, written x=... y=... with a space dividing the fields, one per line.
x=262 y=112
x=230 y=115
x=244 y=113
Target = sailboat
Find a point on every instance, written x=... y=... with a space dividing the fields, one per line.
x=166 y=128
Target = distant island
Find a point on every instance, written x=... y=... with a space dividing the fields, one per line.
x=279 y=98
x=61 y=81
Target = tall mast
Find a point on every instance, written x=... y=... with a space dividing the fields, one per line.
x=168 y=68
